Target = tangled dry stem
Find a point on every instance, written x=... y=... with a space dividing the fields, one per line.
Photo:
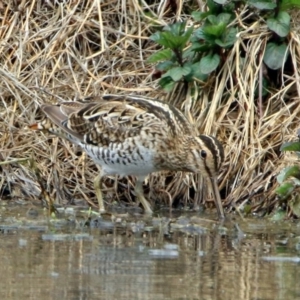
x=52 y=51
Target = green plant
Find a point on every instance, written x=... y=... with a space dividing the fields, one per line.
x=288 y=190
x=193 y=53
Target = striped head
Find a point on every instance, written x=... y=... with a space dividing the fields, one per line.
x=211 y=155
x=208 y=156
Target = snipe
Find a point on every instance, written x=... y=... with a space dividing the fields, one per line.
x=134 y=135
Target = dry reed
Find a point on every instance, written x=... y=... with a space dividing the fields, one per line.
x=51 y=51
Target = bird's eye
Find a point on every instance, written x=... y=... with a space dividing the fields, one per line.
x=203 y=153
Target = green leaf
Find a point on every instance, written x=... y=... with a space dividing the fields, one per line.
x=213 y=19
x=200 y=47
x=289 y=4
x=224 y=18
x=165 y=65
x=229 y=7
x=199 y=15
x=178 y=34
x=275 y=55
x=209 y=33
x=196 y=72
x=173 y=41
x=170 y=41
x=209 y=63
x=173 y=37
x=216 y=25
x=164 y=54
x=291 y=171
x=188 y=54
x=198 y=35
x=214 y=30
x=167 y=83
x=285 y=189
x=177 y=29
x=188 y=66
x=281 y=24
x=228 y=38
x=290 y=146
x=186 y=36
x=178 y=72
x=263 y=4
x=155 y=36
x=163 y=39
x=214 y=8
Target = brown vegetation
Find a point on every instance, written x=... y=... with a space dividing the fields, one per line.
x=51 y=52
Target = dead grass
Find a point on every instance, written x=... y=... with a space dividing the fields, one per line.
x=81 y=48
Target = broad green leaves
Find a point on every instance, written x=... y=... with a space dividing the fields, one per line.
x=289 y=181
x=194 y=52
x=280 y=24
x=263 y=4
x=286 y=173
x=174 y=37
x=216 y=32
x=227 y=40
x=164 y=54
x=285 y=189
x=190 y=54
x=209 y=63
x=290 y=146
x=289 y=4
x=275 y=55
x=178 y=72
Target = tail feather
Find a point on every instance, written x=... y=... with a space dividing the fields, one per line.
x=60 y=119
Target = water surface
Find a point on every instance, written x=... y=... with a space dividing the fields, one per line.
x=134 y=257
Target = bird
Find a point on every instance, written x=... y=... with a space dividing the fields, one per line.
x=135 y=135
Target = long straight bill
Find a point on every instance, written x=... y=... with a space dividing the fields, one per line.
x=217 y=198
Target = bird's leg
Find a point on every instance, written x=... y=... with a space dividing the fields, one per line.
x=97 y=185
x=140 y=195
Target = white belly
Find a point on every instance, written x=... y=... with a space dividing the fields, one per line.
x=137 y=162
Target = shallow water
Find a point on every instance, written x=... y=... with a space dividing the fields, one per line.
x=134 y=257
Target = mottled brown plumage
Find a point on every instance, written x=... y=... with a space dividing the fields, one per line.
x=133 y=135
